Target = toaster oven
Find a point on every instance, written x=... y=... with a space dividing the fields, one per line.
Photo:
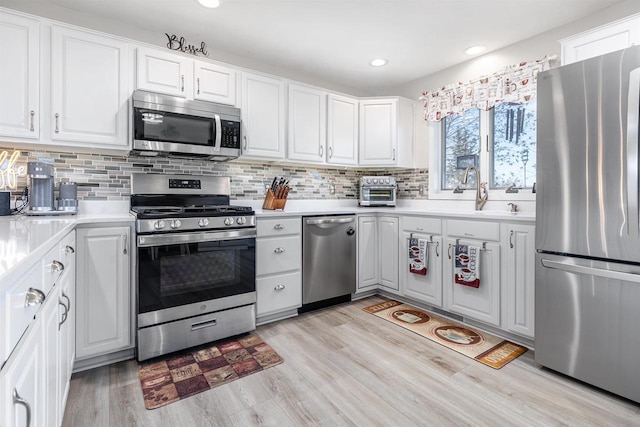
x=378 y=191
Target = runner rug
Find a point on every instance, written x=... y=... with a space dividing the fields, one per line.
x=196 y=370
x=487 y=349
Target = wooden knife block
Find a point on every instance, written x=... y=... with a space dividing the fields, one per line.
x=271 y=203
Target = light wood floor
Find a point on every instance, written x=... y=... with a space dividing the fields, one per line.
x=346 y=367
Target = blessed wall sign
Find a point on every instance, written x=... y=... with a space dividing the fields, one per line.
x=179 y=43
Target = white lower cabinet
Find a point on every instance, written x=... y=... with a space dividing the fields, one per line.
x=519 y=280
x=388 y=251
x=368 y=272
x=278 y=268
x=427 y=288
x=377 y=252
x=22 y=382
x=104 y=312
x=481 y=303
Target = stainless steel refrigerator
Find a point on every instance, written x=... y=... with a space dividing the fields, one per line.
x=587 y=222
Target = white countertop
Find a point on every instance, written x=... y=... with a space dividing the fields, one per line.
x=25 y=238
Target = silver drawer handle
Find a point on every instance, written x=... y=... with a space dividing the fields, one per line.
x=205 y=324
x=31 y=128
x=279 y=287
x=65 y=314
x=33 y=297
x=17 y=400
x=57 y=116
x=68 y=301
x=57 y=266
x=69 y=249
x=278 y=227
x=278 y=250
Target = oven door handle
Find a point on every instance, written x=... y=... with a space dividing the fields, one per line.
x=197 y=237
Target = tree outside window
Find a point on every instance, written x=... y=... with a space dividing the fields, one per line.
x=461 y=137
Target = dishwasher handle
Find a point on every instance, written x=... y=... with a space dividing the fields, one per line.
x=330 y=221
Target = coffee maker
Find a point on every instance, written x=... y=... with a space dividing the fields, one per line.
x=41 y=192
x=40 y=188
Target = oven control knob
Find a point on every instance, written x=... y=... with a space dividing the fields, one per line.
x=175 y=224
x=229 y=221
x=386 y=181
x=368 y=180
x=159 y=225
x=241 y=220
x=203 y=222
x=375 y=181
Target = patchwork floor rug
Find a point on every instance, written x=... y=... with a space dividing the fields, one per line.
x=487 y=349
x=196 y=370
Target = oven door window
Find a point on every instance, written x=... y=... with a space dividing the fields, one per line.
x=378 y=194
x=173 y=275
x=163 y=126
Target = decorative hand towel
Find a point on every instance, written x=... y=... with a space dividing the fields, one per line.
x=418 y=256
x=467 y=267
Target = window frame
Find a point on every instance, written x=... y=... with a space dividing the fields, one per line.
x=484 y=160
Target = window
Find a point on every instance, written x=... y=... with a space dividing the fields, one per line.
x=500 y=142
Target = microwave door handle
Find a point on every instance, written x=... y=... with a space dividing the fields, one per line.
x=216 y=146
x=633 y=105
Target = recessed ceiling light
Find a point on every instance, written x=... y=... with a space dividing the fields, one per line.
x=378 y=62
x=473 y=50
x=209 y=3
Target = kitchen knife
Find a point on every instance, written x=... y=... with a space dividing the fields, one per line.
x=273 y=184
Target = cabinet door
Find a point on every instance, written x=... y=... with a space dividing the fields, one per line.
x=164 y=72
x=263 y=116
x=378 y=132
x=50 y=318
x=103 y=304
x=388 y=251
x=608 y=38
x=19 y=76
x=214 y=83
x=482 y=303
x=368 y=272
x=519 y=284
x=426 y=288
x=307 y=124
x=89 y=88
x=21 y=382
x=342 y=130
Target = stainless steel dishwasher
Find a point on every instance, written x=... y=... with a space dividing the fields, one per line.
x=328 y=260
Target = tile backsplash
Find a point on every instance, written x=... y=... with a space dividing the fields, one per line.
x=106 y=177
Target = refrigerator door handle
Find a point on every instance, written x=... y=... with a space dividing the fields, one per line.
x=633 y=105
x=590 y=271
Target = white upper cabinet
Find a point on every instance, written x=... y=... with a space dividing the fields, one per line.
x=263 y=117
x=386 y=132
x=307 y=124
x=214 y=83
x=19 y=77
x=598 y=41
x=164 y=72
x=89 y=88
x=342 y=130
x=378 y=130
x=172 y=74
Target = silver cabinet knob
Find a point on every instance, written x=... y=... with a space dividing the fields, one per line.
x=33 y=297
x=278 y=250
x=203 y=222
x=159 y=225
x=69 y=249
x=175 y=224
x=278 y=227
x=279 y=287
x=57 y=266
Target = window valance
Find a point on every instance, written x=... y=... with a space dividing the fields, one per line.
x=515 y=83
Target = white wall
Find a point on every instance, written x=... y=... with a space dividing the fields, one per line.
x=44 y=8
x=527 y=50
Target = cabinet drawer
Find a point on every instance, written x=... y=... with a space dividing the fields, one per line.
x=278 y=293
x=474 y=229
x=422 y=224
x=278 y=254
x=279 y=226
x=17 y=314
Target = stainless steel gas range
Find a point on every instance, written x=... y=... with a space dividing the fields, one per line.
x=195 y=262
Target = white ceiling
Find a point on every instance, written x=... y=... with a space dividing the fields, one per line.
x=334 y=40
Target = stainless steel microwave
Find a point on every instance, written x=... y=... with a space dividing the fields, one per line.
x=169 y=126
x=378 y=191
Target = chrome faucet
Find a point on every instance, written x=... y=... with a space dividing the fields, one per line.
x=481 y=199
